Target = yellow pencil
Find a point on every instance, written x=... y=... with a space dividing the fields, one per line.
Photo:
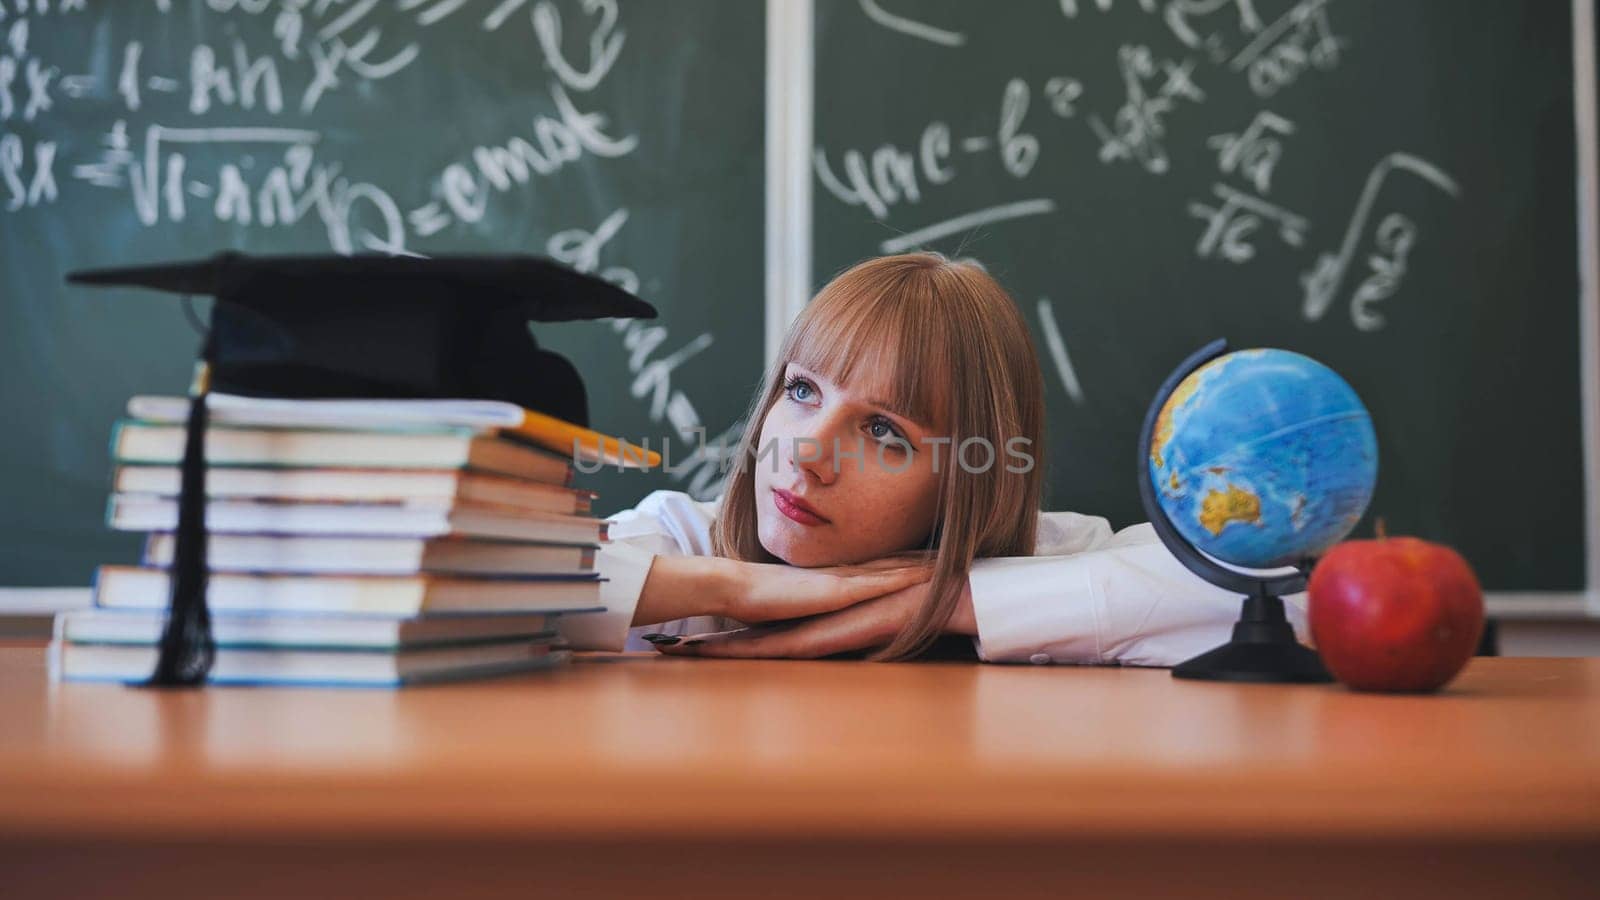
x=565 y=437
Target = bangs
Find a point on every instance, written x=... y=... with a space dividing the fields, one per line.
x=886 y=336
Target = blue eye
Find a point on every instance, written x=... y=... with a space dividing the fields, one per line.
x=892 y=432
x=794 y=383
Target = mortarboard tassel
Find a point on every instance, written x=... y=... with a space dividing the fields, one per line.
x=187 y=647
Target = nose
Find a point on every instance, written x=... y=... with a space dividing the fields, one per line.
x=811 y=448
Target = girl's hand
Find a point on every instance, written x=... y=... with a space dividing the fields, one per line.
x=866 y=625
x=765 y=592
x=681 y=586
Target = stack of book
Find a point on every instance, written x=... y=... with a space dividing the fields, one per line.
x=375 y=543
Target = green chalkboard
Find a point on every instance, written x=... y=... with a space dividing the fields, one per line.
x=626 y=141
x=1387 y=187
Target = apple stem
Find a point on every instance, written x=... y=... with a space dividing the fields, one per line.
x=1378 y=527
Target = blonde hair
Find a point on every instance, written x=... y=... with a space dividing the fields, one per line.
x=962 y=358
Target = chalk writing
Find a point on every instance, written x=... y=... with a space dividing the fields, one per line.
x=1254 y=152
x=39 y=187
x=967 y=222
x=1230 y=224
x=705 y=467
x=1058 y=351
x=1069 y=8
x=314 y=51
x=890 y=175
x=1189 y=20
x=605 y=43
x=1395 y=236
x=921 y=30
x=1298 y=40
x=1062 y=94
x=1138 y=126
x=26 y=81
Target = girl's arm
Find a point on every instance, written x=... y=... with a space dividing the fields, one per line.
x=1125 y=600
x=659 y=573
x=664 y=523
x=1088 y=596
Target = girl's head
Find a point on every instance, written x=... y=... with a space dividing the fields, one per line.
x=906 y=409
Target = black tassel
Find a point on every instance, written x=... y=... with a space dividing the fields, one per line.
x=187 y=647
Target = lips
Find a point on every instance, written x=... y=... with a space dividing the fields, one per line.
x=796 y=509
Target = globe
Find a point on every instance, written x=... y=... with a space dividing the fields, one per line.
x=1263 y=458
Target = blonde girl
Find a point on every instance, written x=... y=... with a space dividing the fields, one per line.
x=886 y=493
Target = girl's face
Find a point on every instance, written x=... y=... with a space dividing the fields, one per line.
x=865 y=472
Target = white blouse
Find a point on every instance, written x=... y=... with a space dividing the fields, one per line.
x=1086 y=596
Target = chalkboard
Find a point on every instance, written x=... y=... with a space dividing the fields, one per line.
x=625 y=141
x=1387 y=187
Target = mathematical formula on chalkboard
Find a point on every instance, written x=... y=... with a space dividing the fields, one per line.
x=1387 y=187
x=1159 y=97
x=274 y=177
x=621 y=139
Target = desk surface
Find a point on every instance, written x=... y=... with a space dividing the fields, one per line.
x=619 y=745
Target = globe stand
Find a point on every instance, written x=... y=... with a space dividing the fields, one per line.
x=1263 y=647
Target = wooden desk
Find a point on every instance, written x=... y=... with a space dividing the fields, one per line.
x=727 y=778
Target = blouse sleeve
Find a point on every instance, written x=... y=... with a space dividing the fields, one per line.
x=1091 y=596
x=665 y=523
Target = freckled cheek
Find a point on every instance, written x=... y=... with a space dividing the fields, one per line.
x=919 y=498
x=890 y=503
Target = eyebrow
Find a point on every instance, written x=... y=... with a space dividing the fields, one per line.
x=884 y=405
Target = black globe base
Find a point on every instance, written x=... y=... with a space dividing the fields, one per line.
x=1263 y=649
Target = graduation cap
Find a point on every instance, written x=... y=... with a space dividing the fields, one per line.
x=359 y=326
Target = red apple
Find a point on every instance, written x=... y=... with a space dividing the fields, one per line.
x=1394 y=614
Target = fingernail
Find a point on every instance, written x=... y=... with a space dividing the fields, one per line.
x=658 y=638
